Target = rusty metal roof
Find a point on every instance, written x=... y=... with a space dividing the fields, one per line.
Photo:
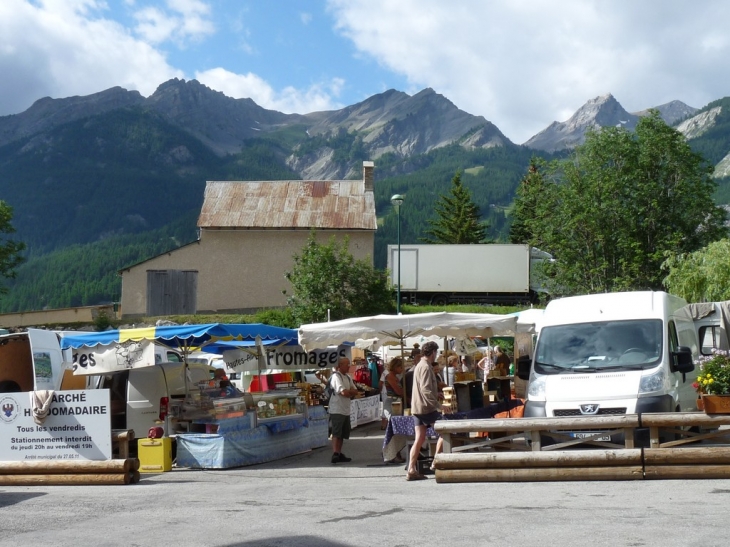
x=291 y=204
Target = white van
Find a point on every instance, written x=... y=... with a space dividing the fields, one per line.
x=31 y=360
x=613 y=353
x=140 y=398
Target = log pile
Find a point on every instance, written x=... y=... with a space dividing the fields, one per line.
x=539 y=466
x=64 y=472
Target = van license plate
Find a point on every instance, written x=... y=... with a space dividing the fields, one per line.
x=586 y=434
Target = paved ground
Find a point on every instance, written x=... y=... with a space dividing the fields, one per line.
x=304 y=500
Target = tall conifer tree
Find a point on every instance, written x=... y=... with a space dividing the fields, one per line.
x=457 y=218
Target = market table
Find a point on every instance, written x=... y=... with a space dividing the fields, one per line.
x=237 y=443
x=399 y=430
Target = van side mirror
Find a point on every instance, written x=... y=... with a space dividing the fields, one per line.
x=523 y=367
x=682 y=360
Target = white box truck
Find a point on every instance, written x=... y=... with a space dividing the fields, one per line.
x=488 y=273
x=612 y=353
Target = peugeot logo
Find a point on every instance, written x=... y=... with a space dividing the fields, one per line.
x=589 y=409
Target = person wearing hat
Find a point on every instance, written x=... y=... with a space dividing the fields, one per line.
x=416 y=352
x=501 y=361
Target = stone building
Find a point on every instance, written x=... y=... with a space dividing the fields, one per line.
x=248 y=234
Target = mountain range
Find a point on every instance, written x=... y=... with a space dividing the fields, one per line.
x=84 y=170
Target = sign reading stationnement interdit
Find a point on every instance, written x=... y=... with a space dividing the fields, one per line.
x=78 y=427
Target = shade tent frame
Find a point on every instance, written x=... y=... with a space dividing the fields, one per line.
x=187 y=338
x=183 y=337
x=378 y=330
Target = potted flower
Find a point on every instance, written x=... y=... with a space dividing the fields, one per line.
x=713 y=382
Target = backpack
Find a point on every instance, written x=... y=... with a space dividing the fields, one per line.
x=328 y=392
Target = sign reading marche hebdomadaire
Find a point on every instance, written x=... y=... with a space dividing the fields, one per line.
x=78 y=427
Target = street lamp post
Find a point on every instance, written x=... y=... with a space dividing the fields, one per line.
x=397 y=201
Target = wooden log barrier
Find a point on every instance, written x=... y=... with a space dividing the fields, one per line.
x=687 y=472
x=62 y=467
x=121 y=439
x=534 y=427
x=691 y=455
x=60 y=480
x=634 y=472
x=564 y=458
x=674 y=421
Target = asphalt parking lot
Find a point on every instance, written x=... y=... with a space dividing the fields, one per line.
x=305 y=500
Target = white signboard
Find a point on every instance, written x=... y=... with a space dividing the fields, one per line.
x=114 y=357
x=78 y=427
x=364 y=411
x=285 y=358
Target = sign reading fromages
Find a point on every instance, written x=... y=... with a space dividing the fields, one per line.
x=285 y=358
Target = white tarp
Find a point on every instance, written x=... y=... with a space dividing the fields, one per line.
x=381 y=329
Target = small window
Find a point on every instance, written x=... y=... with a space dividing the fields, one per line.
x=709 y=339
x=673 y=338
x=173 y=357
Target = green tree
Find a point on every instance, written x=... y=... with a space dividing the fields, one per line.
x=9 y=250
x=327 y=277
x=530 y=204
x=611 y=212
x=457 y=218
x=701 y=276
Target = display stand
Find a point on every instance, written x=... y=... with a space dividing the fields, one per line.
x=247 y=430
x=249 y=441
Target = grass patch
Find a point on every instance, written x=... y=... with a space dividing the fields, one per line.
x=473 y=170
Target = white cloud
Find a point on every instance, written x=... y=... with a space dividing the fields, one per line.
x=306 y=18
x=183 y=20
x=59 y=48
x=320 y=96
x=525 y=63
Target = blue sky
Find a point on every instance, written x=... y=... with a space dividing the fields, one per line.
x=521 y=64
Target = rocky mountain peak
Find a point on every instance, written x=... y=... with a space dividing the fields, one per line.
x=671 y=112
x=47 y=113
x=602 y=111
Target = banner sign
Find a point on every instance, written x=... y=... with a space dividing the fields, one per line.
x=284 y=359
x=114 y=357
x=78 y=427
x=364 y=411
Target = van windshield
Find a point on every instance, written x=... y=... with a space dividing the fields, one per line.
x=599 y=346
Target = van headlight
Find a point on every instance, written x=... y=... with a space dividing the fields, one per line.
x=653 y=382
x=536 y=390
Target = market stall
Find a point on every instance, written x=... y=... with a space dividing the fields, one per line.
x=373 y=332
x=214 y=425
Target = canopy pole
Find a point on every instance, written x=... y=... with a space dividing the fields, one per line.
x=403 y=379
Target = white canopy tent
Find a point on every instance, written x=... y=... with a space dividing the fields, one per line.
x=377 y=330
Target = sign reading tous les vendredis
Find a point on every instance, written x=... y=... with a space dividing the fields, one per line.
x=77 y=427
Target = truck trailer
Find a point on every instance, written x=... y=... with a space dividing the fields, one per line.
x=484 y=273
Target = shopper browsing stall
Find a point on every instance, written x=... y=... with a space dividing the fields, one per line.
x=391 y=389
x=344 y=391
x=424 y=404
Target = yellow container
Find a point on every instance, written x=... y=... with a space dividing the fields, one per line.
x=155 y=455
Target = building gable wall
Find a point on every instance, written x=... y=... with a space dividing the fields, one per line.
x=238 y=270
